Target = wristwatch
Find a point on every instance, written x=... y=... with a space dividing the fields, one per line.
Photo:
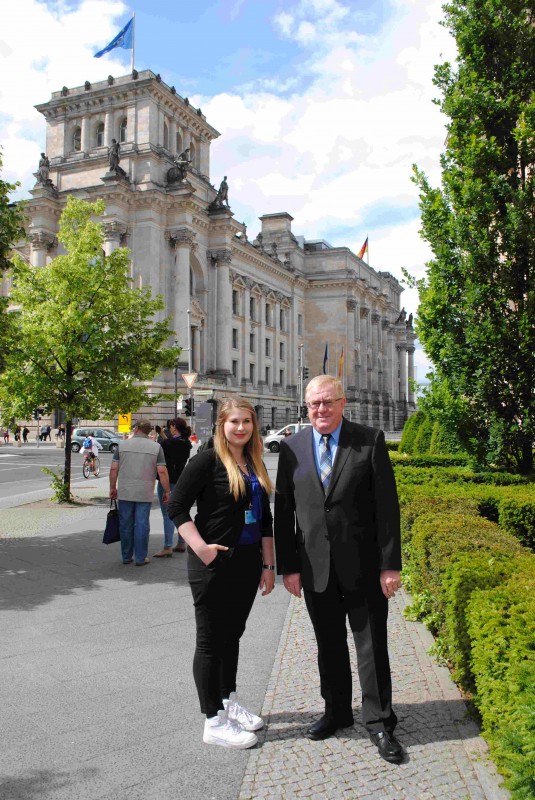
x=268 y=566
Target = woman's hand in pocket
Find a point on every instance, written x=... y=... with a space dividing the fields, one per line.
x=208 y=553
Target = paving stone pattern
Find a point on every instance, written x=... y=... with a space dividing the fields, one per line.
x=446 y=758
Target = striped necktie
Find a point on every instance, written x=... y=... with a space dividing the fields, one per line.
x=326 y=461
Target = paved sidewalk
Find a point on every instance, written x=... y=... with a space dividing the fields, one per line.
x=97 y=699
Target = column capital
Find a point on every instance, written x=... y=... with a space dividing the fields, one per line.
x=180 y=237
x=410 y=350
x=364 y=312
x=43 y=240
x=375 y=318
x=222 y=255
x=401 y=348
x=115 y=230
x=351 y=304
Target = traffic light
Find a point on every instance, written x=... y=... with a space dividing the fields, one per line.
x=37 y=413
x=190 y=406
x=304 y=412
x=306 y=373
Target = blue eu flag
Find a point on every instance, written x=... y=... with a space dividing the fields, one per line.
x=123 y=39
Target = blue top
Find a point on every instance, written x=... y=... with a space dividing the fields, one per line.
x=317 y=440
x=252 y=532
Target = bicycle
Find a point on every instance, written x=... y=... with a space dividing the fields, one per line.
x=91 y=465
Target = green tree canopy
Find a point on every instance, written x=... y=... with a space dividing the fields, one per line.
x=477 y=305
x=11 y=221
x=81 y=338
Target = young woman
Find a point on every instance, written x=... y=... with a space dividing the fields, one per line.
x=176 y=449
x=230 y=556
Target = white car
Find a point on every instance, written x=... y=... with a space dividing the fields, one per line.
x=272 y=442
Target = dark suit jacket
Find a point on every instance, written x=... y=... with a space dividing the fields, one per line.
x=356 y=523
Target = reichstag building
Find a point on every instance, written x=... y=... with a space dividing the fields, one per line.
x=249 y=303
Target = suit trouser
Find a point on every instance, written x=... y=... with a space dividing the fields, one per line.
x=223 y=595
x=366 y=609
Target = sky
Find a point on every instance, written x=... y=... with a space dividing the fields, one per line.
x=323 y=105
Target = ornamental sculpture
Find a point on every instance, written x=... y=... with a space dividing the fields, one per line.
x=178 y=172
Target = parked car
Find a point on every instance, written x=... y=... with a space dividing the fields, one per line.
x=272 y=442
x=108 y=440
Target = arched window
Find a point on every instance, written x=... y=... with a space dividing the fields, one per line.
x=123 y=130
x=193 y=154
x=99 y=135
x=179 y=142
x=77 y=139
x=166 y=136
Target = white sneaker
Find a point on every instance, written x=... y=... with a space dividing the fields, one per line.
x=239 y=714
x=227 y=733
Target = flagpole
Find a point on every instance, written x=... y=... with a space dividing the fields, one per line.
x=133 y=38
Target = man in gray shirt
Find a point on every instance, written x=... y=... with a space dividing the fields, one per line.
x=137 y=460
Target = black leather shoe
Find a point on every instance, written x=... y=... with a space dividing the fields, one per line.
x=389 y=747
x=327 y=726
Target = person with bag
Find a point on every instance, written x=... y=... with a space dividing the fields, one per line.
x=176 y=449
x=230 y=557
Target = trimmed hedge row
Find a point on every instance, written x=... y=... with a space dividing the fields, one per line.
x=474 y=586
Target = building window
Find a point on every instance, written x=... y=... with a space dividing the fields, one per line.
x=251 y=373
x=281 y=377
x=235 y=301
x=281 y=351
x=166 y=136
x=251 y=342
x=235 y=338
x=268 y=313
x=100 y=135
x=268 y=347
x=299 y=324
x=281 y=320
x=267 y=376
x=252 y=308
x=235 y=369
x=77 y=139
x=123 y=130
x=193 y=155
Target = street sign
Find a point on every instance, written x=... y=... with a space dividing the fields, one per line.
x=124 y=423
x=189 y=378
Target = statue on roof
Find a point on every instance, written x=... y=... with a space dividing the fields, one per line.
x=44 y=171
x=221 y=198
x=114 y=155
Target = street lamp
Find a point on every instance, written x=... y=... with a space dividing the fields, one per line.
x=176 y=382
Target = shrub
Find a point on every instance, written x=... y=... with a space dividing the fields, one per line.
x=414 y=504
x=501 y=625
x=410 y=431
x=392 y=446
x=422 y=441
x=428 y=460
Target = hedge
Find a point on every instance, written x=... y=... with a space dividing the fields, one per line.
x=501 y=626
x=410 y=431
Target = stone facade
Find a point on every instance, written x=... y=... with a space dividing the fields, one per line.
x=249 y=305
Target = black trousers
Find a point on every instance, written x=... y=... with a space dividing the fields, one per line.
x=223 y=595
x=366 y=609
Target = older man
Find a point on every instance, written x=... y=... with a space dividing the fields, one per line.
x=136 y=463
x=337 y=535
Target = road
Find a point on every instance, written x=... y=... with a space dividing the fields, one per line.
x=21 y=469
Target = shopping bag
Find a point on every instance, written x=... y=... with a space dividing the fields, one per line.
x=111 y=532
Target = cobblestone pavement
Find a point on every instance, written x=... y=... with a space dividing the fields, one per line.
x=446 y=758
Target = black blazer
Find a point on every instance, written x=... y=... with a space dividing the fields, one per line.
x=176 y=451
x=220 y=518
x=356 y=523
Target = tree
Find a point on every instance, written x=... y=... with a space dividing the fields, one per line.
x=477 y=303
x=83 y=340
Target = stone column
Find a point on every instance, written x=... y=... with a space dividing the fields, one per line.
x=387 y=359
x=410 y=351
x=402 y=358
x=182 y=241
x=350 y=348
x=364 y=313
x=108 y=128
x=114 y=236
x=275 y=347
x=42 y=243
x=223 y=258
x=375 y=318
x=86 y=135
x=261 y=344
x=196 y=339
x=246 y=330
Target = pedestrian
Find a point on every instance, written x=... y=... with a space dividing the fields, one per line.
x=17 y=433
x=6 y=435
x=230 y=557
x=337 y=534
x=48 y=433
x=135 y=463
x=176 y=450
x=25 y=432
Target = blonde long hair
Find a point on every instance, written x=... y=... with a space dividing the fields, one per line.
x=252 y=450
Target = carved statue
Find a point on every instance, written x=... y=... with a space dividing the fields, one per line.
x=409 y=321
x=178 y=172
x=260 y=240
x=402 y=315
x=244 y=235
x=114 y=155
x=44 y=170
x=221 y=198
x=274 y=250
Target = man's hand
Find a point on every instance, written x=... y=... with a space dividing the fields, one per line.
x=208 y=553
x=165 y=498
x=293 y=583
x=267 y=581
x=390 y=582
x=113 y=494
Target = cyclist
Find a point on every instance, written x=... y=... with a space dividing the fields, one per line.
x=91 y=447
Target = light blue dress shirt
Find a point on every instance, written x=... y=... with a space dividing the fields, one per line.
x=333 y=444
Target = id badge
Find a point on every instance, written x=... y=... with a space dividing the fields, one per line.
x=249 y=516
